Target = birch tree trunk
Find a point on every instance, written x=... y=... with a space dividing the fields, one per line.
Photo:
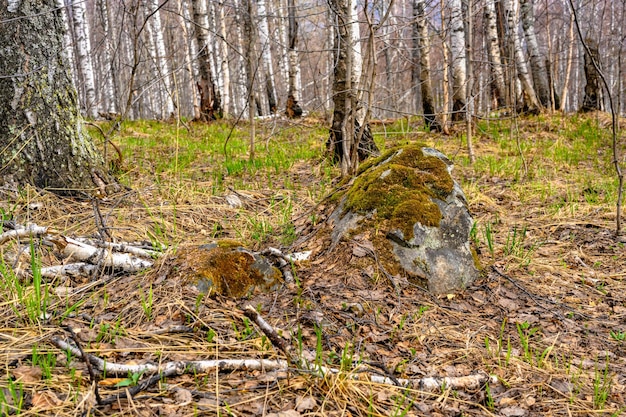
x=344 y=132
x=250 y=56
x=68 y=49
x=423 y=50
x=493 y=48
x=282 y=30
x=446 y=72
x=161 y=59
x=459 y=65
x=537 y=60
x=512 y=14
x=210 y=104
x=240 y=77
x=83 y=55
x=225 y=70
x=292 y=108
x=109 y=99
x=341 y=141
x=568 y=64
x=191 y=60
x=593 y=90
x=41 y=135
x=266 y=56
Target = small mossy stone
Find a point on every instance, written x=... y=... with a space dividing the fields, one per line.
x=226 y=268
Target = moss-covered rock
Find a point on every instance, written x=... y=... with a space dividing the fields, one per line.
x=225 y=267
x=416 y=214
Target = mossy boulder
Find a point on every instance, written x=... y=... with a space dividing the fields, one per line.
x=415 y=214
x=227 y=268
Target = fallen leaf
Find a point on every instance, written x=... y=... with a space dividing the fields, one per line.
x=182 y=397
x=507 y=401
x=287 y=413
x=305 y=403
x=45 y=400
x=513 y=412
x=27 y=373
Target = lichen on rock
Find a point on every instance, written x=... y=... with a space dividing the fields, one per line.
x=417 y=216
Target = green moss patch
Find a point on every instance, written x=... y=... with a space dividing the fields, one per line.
x=226 y=268
x=399 y=187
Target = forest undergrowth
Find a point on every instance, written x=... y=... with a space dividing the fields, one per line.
x=546 y=319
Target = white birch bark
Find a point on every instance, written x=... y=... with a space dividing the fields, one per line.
x=512 y=14
x=225 y=70
x=295 y=83
x=240 y=96
x=537 y=61
x=68 y=50
x=110 y=105
x=282 y=28
x=83 y=57
x=151 y=104
x=161 y=59
x=493 y=48
x=458 y=58
x=266 y=55
x=356 y=61
x=190 y=56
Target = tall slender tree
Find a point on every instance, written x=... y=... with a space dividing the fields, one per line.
x=160 y=57
x=537 y=59
x=515 y=45
x=493 y=48
x=344 y=141
x=422 y=53
x=292 y=108
x=84 y=57
x=267 y=56
x=210 y=104
x=459 y=65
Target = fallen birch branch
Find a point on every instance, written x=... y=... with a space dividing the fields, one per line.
x=32 y=230
x=83 y=252
x=473 y=381
x=120 y=247
x=79 y=269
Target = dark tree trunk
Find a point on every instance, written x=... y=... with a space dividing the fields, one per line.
x=593 y=90
x=347 y=144
x=41 y=135
x=292 y=108
x=422 y=53
x=210 y=99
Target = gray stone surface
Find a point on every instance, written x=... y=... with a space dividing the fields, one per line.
x=438 y=256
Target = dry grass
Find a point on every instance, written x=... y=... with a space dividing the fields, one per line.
x=545 y=317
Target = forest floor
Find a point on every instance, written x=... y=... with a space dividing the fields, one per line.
x=547 y=317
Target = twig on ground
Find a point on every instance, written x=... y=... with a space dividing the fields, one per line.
x=283 y=261
x=537 y=298
x=269 y=331
x=473 y=381
x=93 y=377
